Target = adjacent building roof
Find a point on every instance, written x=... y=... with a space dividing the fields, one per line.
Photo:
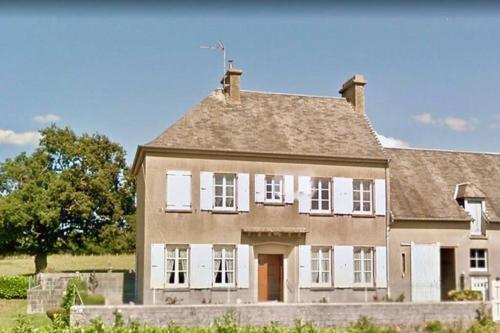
x=424 y=183
x=275 y=123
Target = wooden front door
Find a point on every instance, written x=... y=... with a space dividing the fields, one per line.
x=270 y=277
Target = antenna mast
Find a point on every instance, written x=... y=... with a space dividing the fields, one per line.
x=219 y=46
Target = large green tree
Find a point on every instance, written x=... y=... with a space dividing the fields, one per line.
x=73 y=194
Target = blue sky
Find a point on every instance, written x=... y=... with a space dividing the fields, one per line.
x=433 y=75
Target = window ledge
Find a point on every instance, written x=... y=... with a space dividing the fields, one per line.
x=221 y=288
x=274 y=203
x=364 y=215
x=321 y=213
x=479 y=273
x=216 y=211
x=171 y=210
x=172 y=289
x=371 y=287
x=480 y=237
x=322 y=288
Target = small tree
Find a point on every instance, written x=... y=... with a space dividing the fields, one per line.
x=74 y=193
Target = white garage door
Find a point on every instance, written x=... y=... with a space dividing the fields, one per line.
x=425 y=272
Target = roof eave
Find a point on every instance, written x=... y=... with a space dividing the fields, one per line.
x=431 y=219
x=143 y=149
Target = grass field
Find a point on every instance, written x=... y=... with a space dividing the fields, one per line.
x=23 y=265
x=11 y=309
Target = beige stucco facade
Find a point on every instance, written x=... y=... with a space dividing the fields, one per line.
x=155 y=225
x=452 y=236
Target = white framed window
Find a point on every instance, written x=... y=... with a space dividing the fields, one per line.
x=321 y=266
x=478 y=260
x=274 y=189
x=224 y=266
x=321 y=195
x=177 y=266
x=362 y=196
x=224 y=192
x=363 y=266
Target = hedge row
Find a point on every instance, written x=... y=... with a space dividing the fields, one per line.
x=14 y=287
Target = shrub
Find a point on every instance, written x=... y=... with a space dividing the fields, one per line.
x=434 y=326
x=465 y=295
x=14 y=287
x=92 y=299
x=54 y=312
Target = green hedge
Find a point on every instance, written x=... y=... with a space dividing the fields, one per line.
x=14 y=287
x=465 y=295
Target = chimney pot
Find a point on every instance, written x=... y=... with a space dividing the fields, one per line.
x=231 y=84
x=354 y=92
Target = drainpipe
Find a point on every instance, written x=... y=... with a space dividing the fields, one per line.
x=388 y=228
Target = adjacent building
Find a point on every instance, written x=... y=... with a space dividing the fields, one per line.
x=258 y=196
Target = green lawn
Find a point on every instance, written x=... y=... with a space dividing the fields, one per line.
x=11 y=309
x=20 y=265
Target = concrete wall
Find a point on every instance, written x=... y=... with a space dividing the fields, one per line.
x=324 y=315
x=219 y=228
x=455 y=235
x=117 y=288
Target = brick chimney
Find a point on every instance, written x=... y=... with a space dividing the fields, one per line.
x=231 y=83
x=354 y=91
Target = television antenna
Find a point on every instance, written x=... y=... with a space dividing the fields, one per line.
x=219 y=46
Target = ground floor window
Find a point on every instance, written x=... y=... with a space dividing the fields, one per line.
x=321 y=263
x=478 y=260
x=177 y=266
x=224 y=266
x=363 y=266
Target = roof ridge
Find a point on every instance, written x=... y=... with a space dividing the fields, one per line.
x=291 y=94
x=440 y=150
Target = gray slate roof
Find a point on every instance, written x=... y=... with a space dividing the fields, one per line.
x=423 y=182
x=275 y=123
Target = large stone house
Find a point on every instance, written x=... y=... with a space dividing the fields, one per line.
x=258 y=196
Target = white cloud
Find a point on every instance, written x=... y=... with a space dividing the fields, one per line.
x=46 y=118
x=389 y=142
x=424 y=118
x=8 y=136
x=454 y=123
x=460 y=124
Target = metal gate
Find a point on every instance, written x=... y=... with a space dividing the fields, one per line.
x=495 y=306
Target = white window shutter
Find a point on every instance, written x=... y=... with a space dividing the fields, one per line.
x=304 y=194
x=381 y=267
x=289 y=191
x=242 y=265
x=206 y=190
x=179 y=190
x=425 y=273
x=201 y=266
x=260 y=188
x=343 y=266
x=305 y=266
x=243 y=192
x=380 y=198
x=342 y=195
x=157 y=266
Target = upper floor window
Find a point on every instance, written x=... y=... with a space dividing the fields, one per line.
x=274 y=189
x=478 y=260
x=320 y=266
x=363 y=266
x=225 y=192
x=224 y=266
x=321 y=195
x=177 y=266
x=362 y=196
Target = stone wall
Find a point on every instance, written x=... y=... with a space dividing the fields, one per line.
x=324 y=315
x=117 y=288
